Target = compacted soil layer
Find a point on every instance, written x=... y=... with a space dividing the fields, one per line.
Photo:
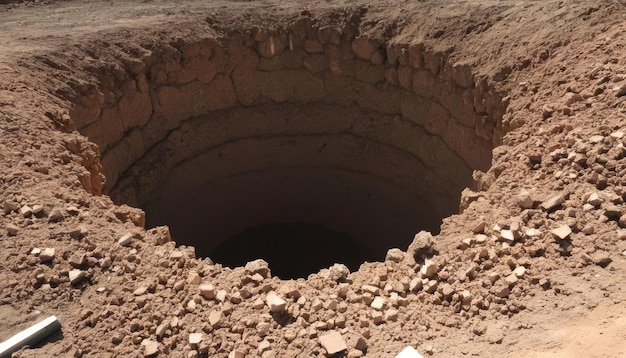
x=497 y=127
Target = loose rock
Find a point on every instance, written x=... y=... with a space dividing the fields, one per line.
x=394 y=255
x=76 y=276
x=333 y=342
x=601 y=258
x=207 y=290
x=195 y=339
x=338 y=272
x=12 y=230
x=553 y=202
x=258 y=266
x=47 y=254
x=150 y=348
x=562 y=232
x=429 y=269
x=275 y=303
x=125 y=240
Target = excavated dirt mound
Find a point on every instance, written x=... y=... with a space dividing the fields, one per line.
x=242 y=179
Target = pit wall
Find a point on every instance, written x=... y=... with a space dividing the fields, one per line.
x=445 y=118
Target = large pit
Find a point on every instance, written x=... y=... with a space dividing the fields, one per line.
x=309 y=139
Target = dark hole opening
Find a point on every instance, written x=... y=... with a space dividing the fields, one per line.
x=299 y=220
x=293 y=249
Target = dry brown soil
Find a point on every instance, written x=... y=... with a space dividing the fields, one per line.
x=522 y=102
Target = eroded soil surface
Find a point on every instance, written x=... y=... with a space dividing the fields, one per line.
x=533 y=266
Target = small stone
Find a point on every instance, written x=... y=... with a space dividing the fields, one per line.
x=275 y=303
x=125 y=240
x=76 y=275
x=501 y=291
x=429 y=269
x=562 y=232
x=12 y=230
x=55 y=215
x=179 y=285
x=479 y=227
x=215 y=317
x=47 y=254
x=394 y=255
x=150 y=347
x=78 y=260
x=391 y=315
x=507 y=236
x=378 y=303
x=519 y=271
x=38 y=209
x=525 y=200
x=601 y=258
x=532 y=232
x=26 y=211
x=409 y=352
x=447 y=290
x=430 y=286
x=264 y=346
x=193 y=278
x=293 y=292
x=78 y=232
x=480 y=239
x=191 y=306
x=553 y=202
x=596 y=138
x=465 y=296
x=356 y=341
x=258 y=304
x=140 y=291
x=236 y=354
x=613 y=212
x=162 y=328
x=594 y=199
x=195 y=339
x=545 y=283
x=333 y=343
x=338 y=272
x=467 y=242
x=258 y=266
x=421 y=246
x=221 y=295
x=415 y=284
x=207 y=290
x=511 y=279
x=371 y=289
x=588 y=229
x=622 y=221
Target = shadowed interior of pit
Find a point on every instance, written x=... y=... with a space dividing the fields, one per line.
x=299 y=220
x=260 y=147
x=293 y=249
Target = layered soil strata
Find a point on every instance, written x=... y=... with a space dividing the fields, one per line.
x=312 y=123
